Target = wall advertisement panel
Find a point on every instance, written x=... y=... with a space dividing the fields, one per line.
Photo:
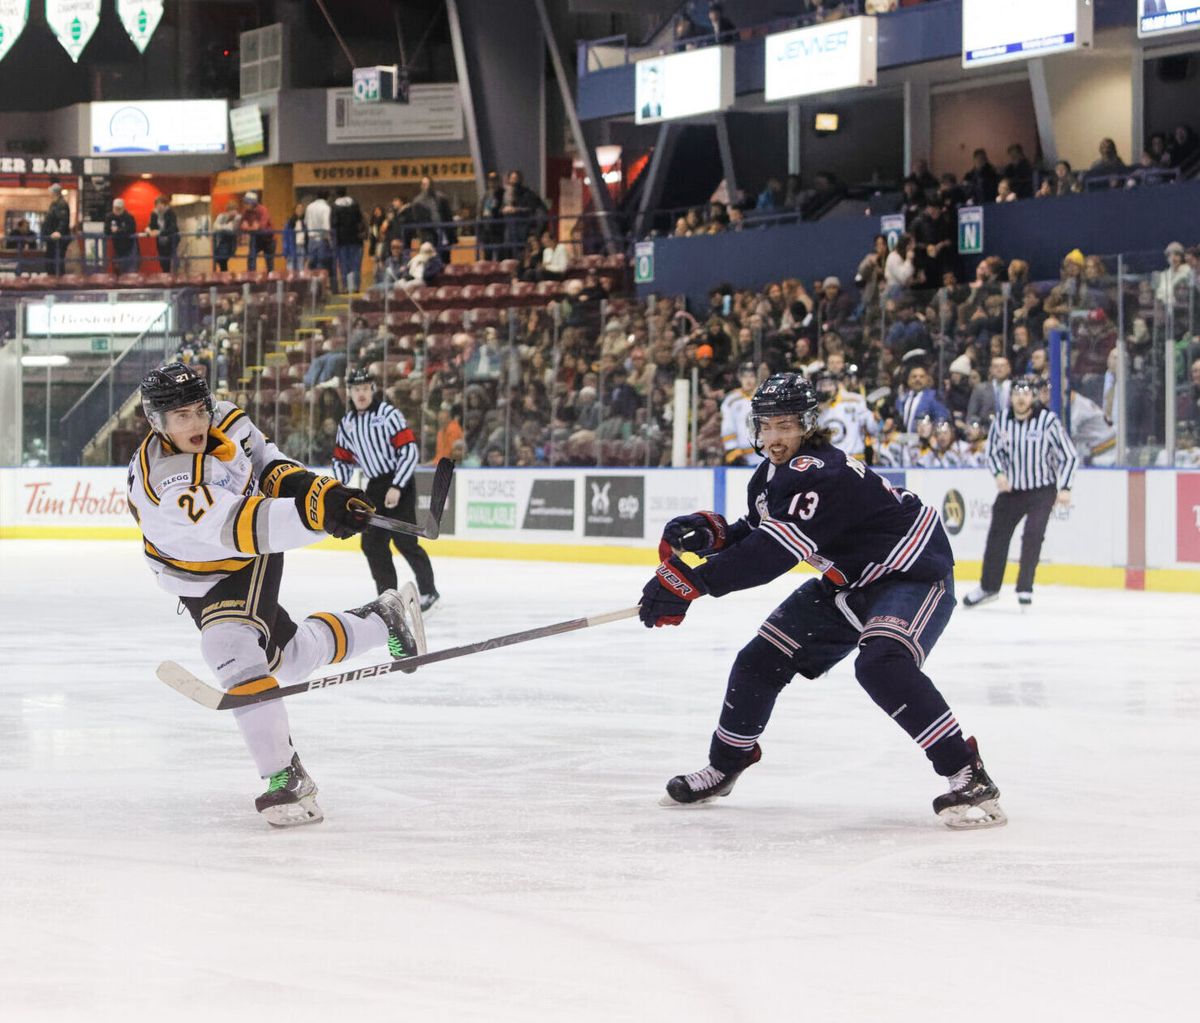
x=560 y=513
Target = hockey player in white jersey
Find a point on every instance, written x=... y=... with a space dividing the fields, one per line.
x=217 y=504
x=737 y=434
x=1094 y=437
x=844 y=414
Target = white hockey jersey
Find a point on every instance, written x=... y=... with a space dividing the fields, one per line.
x=850 y=421
x=204 y=517
x=1094 y=436
x=737 y=429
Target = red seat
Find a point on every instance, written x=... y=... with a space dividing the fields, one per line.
x=524 y=293
x=509 y=267
x=496 y=294
x=470 y=295
x=483 y=317
x=451 y=317
x=548 y=288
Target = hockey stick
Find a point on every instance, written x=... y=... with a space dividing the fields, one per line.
x=183 y=681
x=438 y=494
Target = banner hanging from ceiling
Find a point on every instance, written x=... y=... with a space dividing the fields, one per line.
x=73 y=23
x=13 y=16
x=140 y=18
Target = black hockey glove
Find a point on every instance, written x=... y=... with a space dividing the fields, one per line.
x=666 y=597
x=702 y=533
x=346 y=511
x=327 y=506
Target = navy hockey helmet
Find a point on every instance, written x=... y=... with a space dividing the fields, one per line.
x=785 y=394
x=172 y=386
x=359 y=376
x=747 y=367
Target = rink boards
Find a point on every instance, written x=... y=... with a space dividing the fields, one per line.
x=1134 y=529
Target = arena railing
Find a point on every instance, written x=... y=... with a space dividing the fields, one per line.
x=511 y=375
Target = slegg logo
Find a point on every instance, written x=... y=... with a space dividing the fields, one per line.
x=600 y=498
x=814 y=46
x=627 y=507
x=954 y=512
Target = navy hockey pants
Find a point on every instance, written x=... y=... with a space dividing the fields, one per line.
x=893 y=623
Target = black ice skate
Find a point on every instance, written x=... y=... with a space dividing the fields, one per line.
x=291 y=797
x=401 y=613
x=705 y=784
x=973 y=799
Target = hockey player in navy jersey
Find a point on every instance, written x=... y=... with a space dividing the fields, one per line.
x=886 y=590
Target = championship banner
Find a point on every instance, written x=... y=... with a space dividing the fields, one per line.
x=140 y=18
x=73 y=23
x=13 y=16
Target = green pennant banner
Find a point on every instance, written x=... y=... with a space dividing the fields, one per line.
x=13 y=16
x=73 y=22
x=140 y=18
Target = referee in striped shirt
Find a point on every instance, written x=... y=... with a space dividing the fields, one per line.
x=1034 y=463
x=374 y=436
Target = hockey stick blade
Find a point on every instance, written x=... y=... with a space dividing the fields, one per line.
x=199 y=691
x=443 y=476
x=439 y=491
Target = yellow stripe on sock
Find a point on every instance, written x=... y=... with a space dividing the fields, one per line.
x=340 y=641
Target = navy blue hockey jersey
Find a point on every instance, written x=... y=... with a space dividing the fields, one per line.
x=836 y=514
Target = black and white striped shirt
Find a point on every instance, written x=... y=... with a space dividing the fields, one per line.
x=379 y=441
x=1034 y=452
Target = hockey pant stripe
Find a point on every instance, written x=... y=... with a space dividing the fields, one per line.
x=908 y=637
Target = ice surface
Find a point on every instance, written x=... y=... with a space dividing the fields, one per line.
x=493 y=849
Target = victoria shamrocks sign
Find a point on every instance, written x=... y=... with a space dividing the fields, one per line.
x=140 y=18
x=73 y=22
x=13 y=15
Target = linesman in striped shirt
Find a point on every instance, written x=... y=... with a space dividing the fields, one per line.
x=374 y=436
x=1034 y=463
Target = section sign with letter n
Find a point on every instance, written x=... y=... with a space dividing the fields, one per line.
x=614 y=506
x=970 y=230
x=643 y=262
x=551 y=505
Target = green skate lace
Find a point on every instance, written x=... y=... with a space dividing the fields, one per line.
x=396 y=648
x=278 y=781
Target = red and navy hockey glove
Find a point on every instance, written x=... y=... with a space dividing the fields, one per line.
x=702 y=533
x=666 y=597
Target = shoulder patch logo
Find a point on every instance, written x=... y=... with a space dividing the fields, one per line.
x=179 y=477
x=802 y=462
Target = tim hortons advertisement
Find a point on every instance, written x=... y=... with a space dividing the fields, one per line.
x=614 y=506
x=64 y=497
x=1187 y=516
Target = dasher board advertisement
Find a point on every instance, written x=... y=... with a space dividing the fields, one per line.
x=997 y=31
x=684 y=84
x=823 y=58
